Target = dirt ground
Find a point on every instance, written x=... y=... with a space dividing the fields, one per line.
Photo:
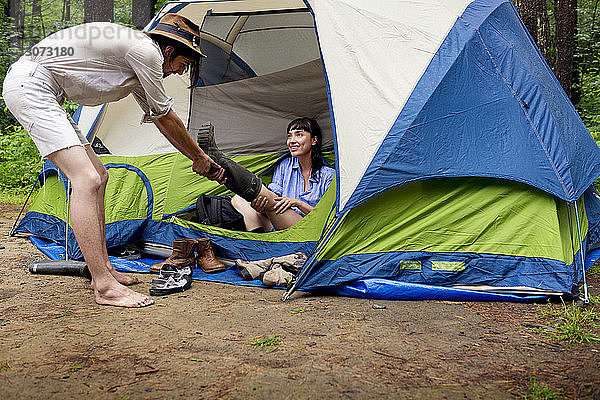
x=55 y=342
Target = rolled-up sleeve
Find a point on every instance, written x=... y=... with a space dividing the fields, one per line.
x=327 y=175
x=276 y=185
x=146 y=61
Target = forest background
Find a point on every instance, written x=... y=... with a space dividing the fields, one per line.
x=567 y=33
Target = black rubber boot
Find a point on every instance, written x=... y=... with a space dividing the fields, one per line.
x=239 y=180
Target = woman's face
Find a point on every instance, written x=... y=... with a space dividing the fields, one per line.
x=299 y=142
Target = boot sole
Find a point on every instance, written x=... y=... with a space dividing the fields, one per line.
x=214 y=271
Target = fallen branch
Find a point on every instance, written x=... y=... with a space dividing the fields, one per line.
x=381 y=353
x=150 y=371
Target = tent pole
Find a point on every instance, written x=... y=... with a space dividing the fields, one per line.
x=12 y=230
x=585 y=291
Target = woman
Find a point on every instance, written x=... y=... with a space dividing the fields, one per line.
x=298 y=182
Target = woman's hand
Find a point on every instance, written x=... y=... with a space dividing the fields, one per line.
x=259 y=204
x=282 y=204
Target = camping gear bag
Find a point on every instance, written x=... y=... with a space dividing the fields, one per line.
x=218 y=211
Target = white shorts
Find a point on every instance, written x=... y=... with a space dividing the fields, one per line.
x=33 y=96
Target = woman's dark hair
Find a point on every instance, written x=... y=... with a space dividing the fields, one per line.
x=180 y=49
x=311 y=126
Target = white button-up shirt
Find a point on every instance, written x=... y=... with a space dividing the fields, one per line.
x=102 y=62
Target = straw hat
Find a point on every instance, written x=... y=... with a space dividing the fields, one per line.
x=179 y=28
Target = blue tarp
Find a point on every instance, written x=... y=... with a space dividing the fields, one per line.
x=392 y=290
x=231 y=276
x=373 y=288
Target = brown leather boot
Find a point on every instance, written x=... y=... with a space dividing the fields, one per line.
x=182 y=255
x=206 y=259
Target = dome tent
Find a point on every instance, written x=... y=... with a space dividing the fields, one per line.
x=459 y=159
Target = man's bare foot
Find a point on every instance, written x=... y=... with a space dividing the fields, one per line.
x=121 y=296
x=124 y=279
x=121 y=278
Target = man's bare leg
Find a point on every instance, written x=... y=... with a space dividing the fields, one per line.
x=86 y=183
x=122 y=278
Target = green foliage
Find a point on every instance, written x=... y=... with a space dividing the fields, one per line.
x=595 y=119
x=594 y=300
x=266 y=343
x=572 y=324
x=4 y=366
x=301 y=310
x=123 y=12
x=159 y=4
x=12 y=197
x=70 y=106
x=65 y=313
x=589 y=103
x=7 y=55
x=587 y=56
x=19 y=160
x=540 y=391
x=594 y=270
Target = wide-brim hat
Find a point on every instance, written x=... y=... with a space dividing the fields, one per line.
x=179 y=28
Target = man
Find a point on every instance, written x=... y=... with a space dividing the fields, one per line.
x=94 y=64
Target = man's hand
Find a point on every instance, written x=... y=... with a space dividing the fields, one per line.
x=205 y=166
x=201 y=165
x=217 y=175
x=171 y=126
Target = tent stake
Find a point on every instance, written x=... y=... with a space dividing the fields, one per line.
x=585 y=291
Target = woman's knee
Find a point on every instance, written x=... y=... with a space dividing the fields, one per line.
x=243 y=207
x=237 y=202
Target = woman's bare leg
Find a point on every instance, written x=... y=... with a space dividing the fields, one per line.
x=279 y=221
x=76 y=164
x=252 y=218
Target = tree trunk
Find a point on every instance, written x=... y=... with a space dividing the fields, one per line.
x=566 y=24
x=17 y=16
x=66 y=11
x=142 y=12
x=37 y=18
x=98 y=10
x=535 y=17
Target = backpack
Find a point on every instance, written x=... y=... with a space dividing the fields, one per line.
x=218 y=211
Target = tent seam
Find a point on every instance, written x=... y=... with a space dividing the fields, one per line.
x=514 y=93
x=504 y=256
x=379 y=163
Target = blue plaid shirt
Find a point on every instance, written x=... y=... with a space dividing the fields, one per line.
x=288 y=182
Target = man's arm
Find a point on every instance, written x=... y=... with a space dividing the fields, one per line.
x=172 y=127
